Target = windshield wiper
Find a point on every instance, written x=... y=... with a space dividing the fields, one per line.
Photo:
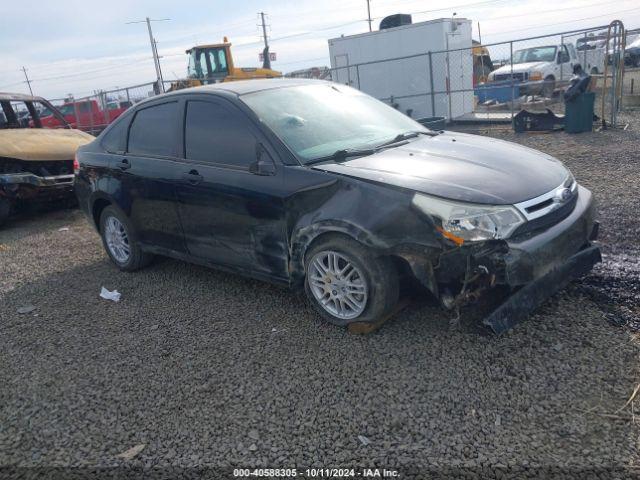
x=341 y=155
x=407 y=135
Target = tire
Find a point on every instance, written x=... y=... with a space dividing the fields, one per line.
x=594 y=71
x=5 y=210
x=377 y=274
x=116 y=245
x=549 y=86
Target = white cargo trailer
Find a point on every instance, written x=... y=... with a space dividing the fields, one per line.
x=394 y=66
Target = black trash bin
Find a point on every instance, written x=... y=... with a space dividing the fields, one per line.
x=578 y=113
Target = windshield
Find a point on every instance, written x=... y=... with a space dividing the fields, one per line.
x=205 y=62
x=536 y=54
x=317 y=120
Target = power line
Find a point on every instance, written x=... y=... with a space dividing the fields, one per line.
x=609 y=14
x=528 y=14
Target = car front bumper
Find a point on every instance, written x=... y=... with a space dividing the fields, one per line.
x=22 y=186
x=532 y=266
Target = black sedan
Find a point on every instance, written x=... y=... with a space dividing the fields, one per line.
x=315 y=184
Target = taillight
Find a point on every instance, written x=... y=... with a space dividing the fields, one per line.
x=76 y=165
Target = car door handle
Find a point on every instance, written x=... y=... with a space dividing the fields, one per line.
x=124 y=164
x=193 y=177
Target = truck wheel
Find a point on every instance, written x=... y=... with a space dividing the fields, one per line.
x=346 y=282
x=549 y=86
x=5 y=209
x=118 y=238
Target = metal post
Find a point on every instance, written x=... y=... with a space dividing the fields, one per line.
x=75 y=112
x=91 y=124
x=584 y=55
x=128 y=97
x=512 y=84
x=561 y=52
x=433 y=98
x=28 y=82
x=369 y=14
x=358 y=75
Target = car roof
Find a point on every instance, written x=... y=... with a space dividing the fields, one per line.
x=19 y=97
x=241 y=87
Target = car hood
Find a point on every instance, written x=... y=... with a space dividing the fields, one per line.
x=462 y=167
x=520 y=67
x=41 y=143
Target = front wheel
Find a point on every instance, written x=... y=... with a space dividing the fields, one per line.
x=120 y=243
x=549 y=86
x=346 y=282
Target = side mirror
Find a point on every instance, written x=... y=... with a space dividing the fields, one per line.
x=264 y=164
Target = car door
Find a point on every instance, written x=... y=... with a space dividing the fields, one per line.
x=144 y=175
x=230 y=197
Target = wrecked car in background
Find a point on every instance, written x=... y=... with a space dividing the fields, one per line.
x=36 y=164
x=317 y=185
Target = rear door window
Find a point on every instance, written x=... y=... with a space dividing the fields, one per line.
x=217 y=134
x=154 y=131
x=115 y=140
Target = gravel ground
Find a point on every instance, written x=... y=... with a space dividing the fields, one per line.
x=210 y=370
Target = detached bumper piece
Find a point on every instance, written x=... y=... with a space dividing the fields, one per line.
x=520 y=304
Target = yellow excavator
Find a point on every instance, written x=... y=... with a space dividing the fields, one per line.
x=214 y=63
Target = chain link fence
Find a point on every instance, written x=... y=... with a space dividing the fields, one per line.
x=487 y=83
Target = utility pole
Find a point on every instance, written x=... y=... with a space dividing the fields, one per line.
x=154 y=51
x=369 y=14
x=28 y=82
x=266 y=61
x=156 y=60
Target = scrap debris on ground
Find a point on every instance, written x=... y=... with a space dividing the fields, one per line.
x=181 y=367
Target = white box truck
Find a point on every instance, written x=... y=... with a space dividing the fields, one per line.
x=393 y=65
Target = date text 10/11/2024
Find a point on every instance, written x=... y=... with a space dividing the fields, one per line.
x=315 y=473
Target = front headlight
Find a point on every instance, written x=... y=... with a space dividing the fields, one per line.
x=535 y=76
x=467 y=222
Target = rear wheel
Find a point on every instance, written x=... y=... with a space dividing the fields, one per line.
x=346 y=282
x=118 y=238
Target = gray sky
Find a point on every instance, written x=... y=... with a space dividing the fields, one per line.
x=78 y=46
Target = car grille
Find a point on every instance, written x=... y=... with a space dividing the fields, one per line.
x=548 y=209
x=517 y=76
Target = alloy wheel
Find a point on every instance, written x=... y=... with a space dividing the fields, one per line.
x=117 y=240
x=337 y=284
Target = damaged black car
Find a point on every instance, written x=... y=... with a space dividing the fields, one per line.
x=317 y=185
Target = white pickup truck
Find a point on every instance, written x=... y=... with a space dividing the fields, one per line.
x=539 y=69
